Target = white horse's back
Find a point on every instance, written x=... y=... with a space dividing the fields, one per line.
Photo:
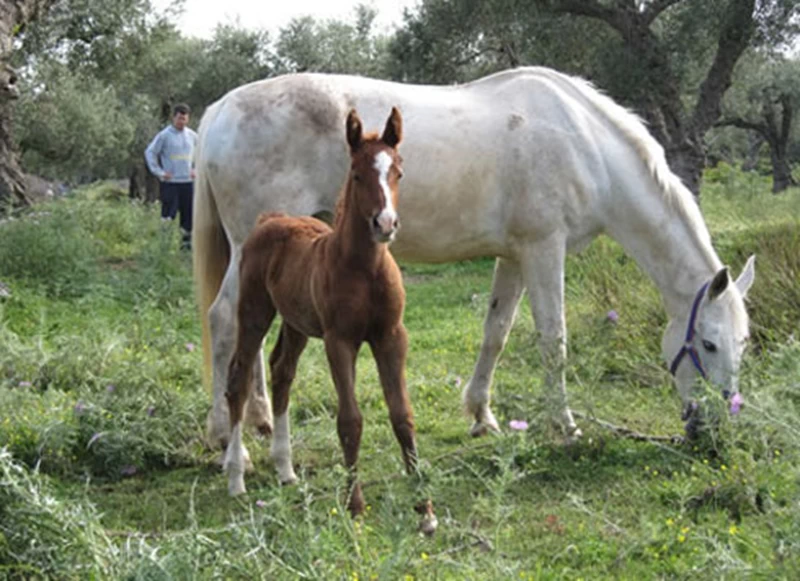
x=513 y=152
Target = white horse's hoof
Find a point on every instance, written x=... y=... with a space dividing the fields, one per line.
x=288 y=480
x=573 y=436
x=480 y=429
x=236 y=486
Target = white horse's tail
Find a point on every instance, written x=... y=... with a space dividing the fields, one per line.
x=210 y=246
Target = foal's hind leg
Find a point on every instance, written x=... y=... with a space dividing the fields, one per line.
x=543 y=267
x=506 y=291
x=254 y=317
x=283 y=366
x=390 y=356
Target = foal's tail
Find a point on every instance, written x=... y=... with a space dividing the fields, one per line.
x=211 y=252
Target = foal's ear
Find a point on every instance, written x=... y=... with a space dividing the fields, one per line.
x=719 y=284
x=745 y=280
x=393 y=134
x=355 y=132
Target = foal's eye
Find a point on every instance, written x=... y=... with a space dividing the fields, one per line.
x=709 y=346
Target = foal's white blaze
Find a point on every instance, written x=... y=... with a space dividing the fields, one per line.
x=281 y=451
x=388 y=216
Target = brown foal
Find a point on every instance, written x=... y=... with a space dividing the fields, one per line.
x=340 y=284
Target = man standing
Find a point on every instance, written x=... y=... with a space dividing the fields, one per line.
x=169 y=157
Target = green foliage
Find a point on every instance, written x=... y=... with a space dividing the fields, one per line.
x=519 y=505
x=74 y=129
x=308 y=44
x=49 y=251
x=443 y=41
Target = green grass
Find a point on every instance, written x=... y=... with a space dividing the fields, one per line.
x=103 y=473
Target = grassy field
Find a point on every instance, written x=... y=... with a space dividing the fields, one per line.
x=104 y=475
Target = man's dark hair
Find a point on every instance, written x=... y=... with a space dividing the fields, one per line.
x=181 y=108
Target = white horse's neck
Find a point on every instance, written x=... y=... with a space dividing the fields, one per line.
x=668 y=238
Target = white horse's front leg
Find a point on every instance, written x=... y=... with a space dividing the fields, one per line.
x=543 y=271
x=506 y=291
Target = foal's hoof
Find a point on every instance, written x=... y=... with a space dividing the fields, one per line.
x=429 y=522
x=264 y=429
x=248 y=463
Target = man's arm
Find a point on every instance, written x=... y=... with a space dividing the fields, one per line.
x=151 y=155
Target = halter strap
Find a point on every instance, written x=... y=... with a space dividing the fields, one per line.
x=688 y=345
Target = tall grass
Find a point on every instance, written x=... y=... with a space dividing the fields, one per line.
x=104 y=475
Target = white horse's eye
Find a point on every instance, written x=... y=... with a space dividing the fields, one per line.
x=709 y=346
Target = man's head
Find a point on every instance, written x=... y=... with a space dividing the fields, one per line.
x=180 y=116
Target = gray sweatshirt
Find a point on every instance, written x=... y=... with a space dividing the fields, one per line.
x=171 y=151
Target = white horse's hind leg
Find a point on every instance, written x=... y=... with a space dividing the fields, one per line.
x=222 y=321
x=259 y=409
x=235 y=462
x=543 y=271
x=506 y=291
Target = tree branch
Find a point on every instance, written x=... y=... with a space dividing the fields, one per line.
x=616 y=18
x=759 y=128
x=655 y=8
x=734 y=38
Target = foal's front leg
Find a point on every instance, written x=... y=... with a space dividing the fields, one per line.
x=390 y=356
x=283 y=366
x=349 y=423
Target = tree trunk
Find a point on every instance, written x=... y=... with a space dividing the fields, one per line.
x=781 y=171
x=680 y=134
x=14 y=15
x=754 y=143
x=12 y=181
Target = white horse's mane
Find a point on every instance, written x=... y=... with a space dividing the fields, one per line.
x=633 y=129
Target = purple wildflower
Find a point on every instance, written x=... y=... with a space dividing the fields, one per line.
x=190 y=347
x=612 y=316
x=736 y=403
x=261 y=503
x=520 y=425
x=151 y=411
x=458 y=381
x=25 y=384
x=128 y=470
x=79 y=407
x=111 y=388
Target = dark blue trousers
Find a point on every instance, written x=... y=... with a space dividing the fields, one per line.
x=177 y=198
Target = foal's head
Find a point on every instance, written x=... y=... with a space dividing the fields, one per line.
x=374 y=173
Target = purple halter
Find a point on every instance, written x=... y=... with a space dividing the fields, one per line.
x=688 y=346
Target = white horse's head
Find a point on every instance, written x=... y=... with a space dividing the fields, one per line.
x=709 y=343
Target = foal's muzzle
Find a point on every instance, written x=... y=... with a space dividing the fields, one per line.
x=384 y=226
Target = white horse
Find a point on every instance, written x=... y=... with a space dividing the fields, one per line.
x=523 y=165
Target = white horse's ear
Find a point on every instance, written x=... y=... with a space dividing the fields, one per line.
x=393 y=133
x=745 y=280
x=720 y=284
x=354 y=130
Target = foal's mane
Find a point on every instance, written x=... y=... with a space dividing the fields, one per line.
x=343 y=201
